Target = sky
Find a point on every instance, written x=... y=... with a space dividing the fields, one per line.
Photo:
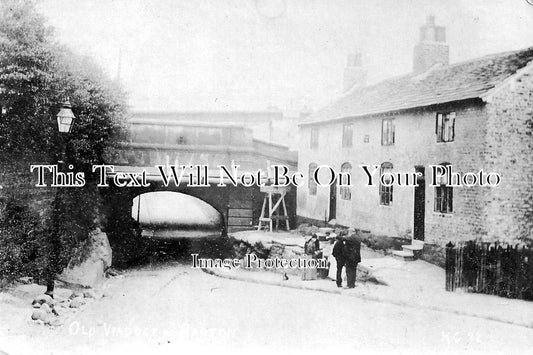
x=173 y=55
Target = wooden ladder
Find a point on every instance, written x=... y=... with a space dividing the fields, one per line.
x=274 y=210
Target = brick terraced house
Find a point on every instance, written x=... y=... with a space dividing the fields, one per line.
x=472 y=115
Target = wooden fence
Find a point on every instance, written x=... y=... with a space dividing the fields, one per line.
x=491 y=268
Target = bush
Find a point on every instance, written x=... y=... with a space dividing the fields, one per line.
x=21 y=238
x=37 y=75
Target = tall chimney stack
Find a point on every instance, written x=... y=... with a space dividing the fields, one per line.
x=354 y=74
x=432 y=47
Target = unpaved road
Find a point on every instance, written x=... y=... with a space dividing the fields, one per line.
x=173 y=309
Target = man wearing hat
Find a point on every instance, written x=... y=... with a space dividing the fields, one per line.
x=352 y=257
x=338 y=254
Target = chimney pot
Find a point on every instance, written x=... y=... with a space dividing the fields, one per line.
x=354 y=73
x=432 y=47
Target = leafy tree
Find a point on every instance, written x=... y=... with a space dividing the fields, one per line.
x=37 y=75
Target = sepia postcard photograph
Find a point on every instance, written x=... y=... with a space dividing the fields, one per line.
x=266 y=177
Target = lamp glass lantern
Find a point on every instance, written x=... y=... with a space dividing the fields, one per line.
x=65 y=117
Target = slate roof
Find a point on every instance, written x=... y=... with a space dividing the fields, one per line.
x=456 y=82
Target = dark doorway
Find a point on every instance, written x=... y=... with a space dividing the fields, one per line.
x=420 y=204
x=333 y=201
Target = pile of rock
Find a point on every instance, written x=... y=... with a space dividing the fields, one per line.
x=48 y=310
x=307 y=229
x=286 y=252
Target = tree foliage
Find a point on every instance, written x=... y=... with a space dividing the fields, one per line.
x=37 y=74
x=21 y=236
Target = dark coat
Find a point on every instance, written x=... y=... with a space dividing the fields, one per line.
x=338 y=250
x=352 y=252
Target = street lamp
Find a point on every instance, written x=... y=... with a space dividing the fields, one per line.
x=65 y=119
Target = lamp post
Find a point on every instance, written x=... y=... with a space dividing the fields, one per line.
x=65 y=119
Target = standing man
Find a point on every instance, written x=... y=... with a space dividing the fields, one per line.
x=338 y=254
x=352 y=256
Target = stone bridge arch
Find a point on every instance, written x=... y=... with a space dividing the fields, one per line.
x=238 y=206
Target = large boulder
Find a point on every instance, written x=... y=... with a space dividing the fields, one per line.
x=91 y=271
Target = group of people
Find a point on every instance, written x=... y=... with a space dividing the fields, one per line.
x=346 y=253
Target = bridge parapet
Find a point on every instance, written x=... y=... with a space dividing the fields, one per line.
x=189 y=133
x=165 y=142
